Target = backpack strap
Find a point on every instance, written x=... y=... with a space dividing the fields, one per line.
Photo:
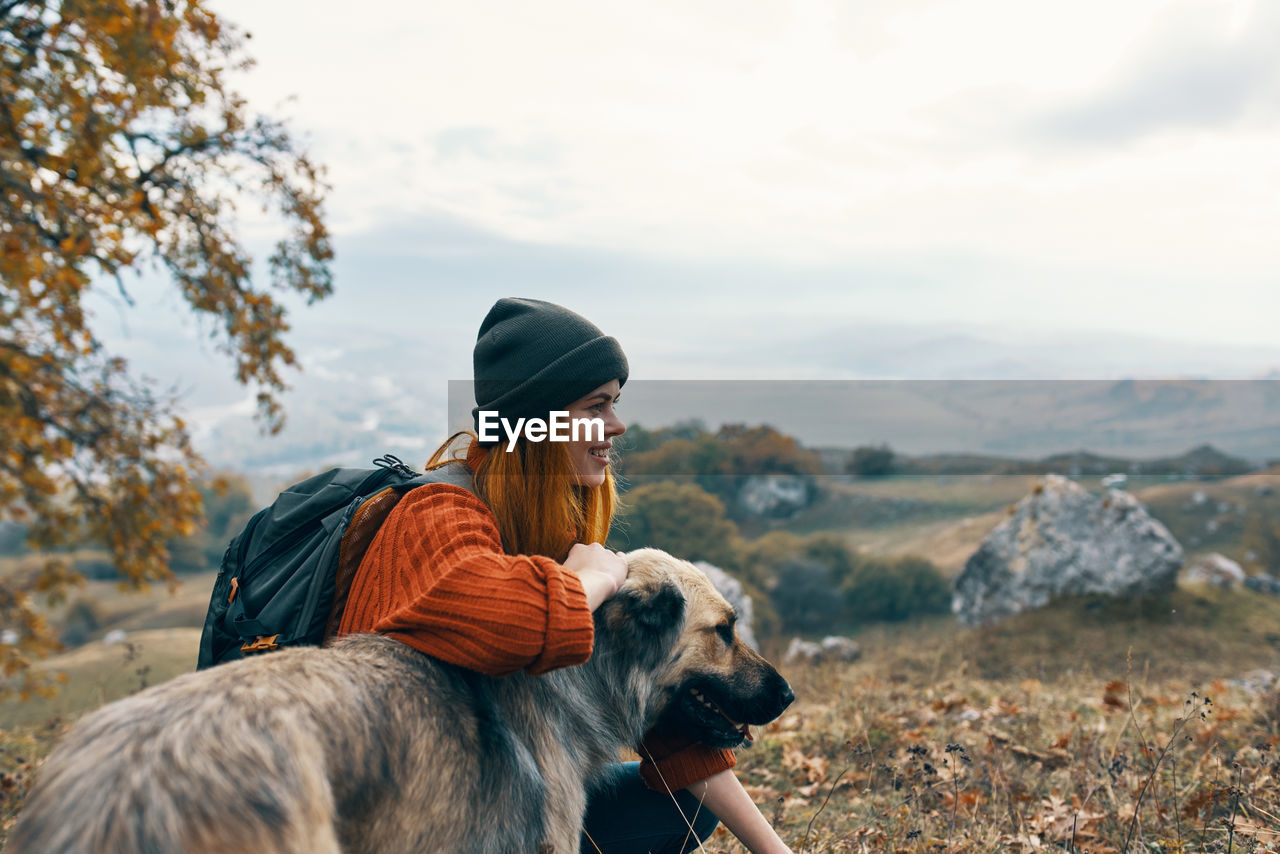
x=364 y=526
x=455 y=473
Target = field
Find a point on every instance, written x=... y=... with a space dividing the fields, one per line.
x=1090 y=726
x=1081 y=728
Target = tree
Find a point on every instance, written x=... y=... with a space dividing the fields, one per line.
x=723 y=462
x=123 y=149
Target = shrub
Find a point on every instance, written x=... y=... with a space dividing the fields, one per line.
x=894 y=589
x=82 y=620
x=806 y=598
x=869 y=461
x=680 y=518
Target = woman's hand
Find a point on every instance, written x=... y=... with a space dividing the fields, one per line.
x=601 y=571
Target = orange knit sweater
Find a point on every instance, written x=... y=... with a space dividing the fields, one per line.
x=436 y=578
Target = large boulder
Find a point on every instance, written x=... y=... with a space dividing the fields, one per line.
x=1062 y=540
x=775 y=496
x=731 y=589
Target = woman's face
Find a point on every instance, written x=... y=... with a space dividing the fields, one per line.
x=590 y=455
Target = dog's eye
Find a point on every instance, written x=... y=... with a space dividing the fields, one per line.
x=725 y=631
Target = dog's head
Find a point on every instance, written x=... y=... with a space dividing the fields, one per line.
x=711 y=684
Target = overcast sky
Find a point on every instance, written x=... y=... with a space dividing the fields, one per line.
x=698 y=177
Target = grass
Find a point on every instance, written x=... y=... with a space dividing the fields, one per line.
x=1083 y=728
x=98 y=673
x=970 y=764
x=1089 y=726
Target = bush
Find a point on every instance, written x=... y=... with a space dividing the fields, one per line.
x=806 y=598
x=869 y=461
x=763 y=557
x=820 y=583
x=82 y=620
x=884 y=589
x=680 y=518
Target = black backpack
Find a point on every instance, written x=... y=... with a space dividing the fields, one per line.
x=284 y=580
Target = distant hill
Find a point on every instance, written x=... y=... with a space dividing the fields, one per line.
x=1201 y=461
x=379 y=404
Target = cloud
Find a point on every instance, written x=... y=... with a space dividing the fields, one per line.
x=461 y=141
x=1203 y=79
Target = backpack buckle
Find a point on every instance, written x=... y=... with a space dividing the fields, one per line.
x=391 y=461
x=264 y=643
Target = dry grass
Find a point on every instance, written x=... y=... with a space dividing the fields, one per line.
x=98 y=673
x=947 y=740
x=1090 y=727
x=993 y=765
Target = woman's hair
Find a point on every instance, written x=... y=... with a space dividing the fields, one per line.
x=532 y=492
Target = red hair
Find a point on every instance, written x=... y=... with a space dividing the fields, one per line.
x=532 y=492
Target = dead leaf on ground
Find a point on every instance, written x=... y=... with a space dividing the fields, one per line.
x=1050 y=758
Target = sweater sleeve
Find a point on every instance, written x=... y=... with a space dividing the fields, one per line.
x=435 y=577
x=668 y=763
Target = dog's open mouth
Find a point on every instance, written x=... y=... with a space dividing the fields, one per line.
x=706 y=720
x=711 y=706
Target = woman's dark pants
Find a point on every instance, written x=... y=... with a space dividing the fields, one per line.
x=626 y=817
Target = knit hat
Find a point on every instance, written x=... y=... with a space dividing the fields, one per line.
x=533 y=357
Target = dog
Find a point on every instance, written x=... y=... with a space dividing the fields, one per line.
x=370 y=747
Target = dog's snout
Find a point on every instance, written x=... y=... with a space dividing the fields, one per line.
x=780 y=694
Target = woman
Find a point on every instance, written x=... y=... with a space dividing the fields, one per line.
x=507 y=578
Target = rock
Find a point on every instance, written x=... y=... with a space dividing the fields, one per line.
x=731 y=589
x=1062 y=540
x=1263 y=583
x=832 y=648
x=775 y=496
x=1218 y=570
x=1255 y=681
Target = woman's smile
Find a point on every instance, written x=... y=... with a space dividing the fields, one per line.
x=590 y=455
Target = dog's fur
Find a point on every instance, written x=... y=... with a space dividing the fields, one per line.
x=370 y=746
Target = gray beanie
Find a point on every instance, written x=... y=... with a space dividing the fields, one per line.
x=532 y=357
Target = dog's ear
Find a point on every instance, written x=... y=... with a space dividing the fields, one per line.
x=662 y=609
x=648 y=610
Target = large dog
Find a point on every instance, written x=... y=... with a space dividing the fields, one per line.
x=370 y=746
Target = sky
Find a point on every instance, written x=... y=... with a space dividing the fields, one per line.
x=801 y=189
